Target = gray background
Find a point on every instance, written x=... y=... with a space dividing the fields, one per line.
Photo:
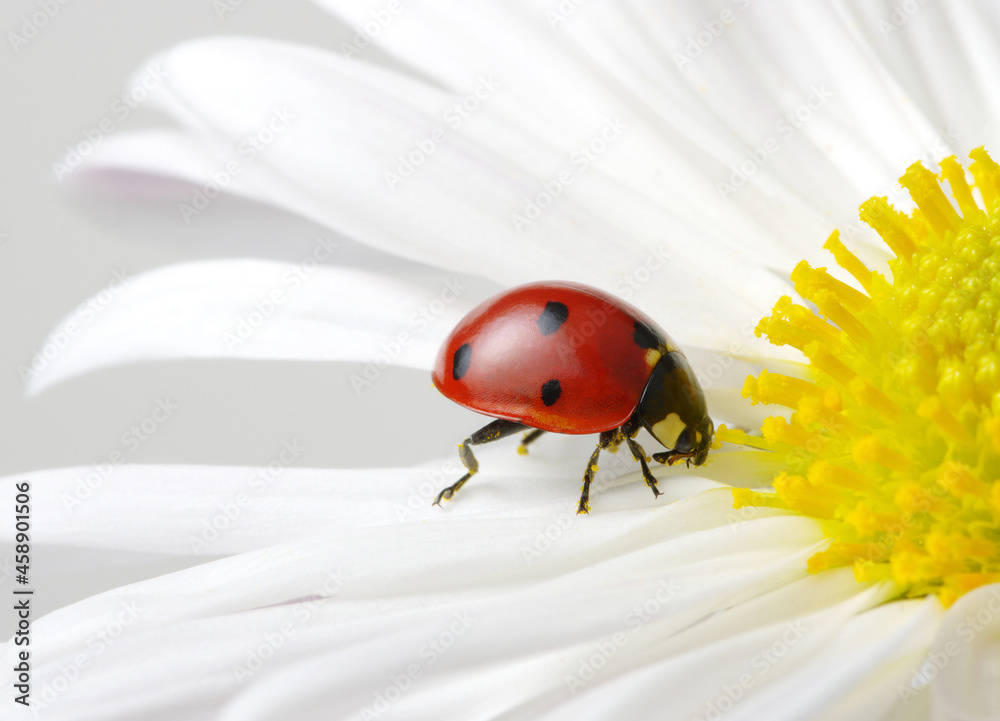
x=55 y=252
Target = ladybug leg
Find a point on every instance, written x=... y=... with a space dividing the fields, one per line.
x=588 y=478
x=672 y=457
x=640 y=455
x=493 y=432
x=608 y=439
x=528 y=438
x=627 y=433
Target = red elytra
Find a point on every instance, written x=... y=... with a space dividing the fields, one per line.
x=593 y=354
x=567 y=358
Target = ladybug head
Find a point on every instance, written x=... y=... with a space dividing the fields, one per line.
x=693 y=442
x=673 y=410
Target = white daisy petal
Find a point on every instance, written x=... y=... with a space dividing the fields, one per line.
x=626 y=623
x=751 y=670
x=119 y=188
x=149 y=508
x=479 y=181
x=770 y=170
x=960 y=113
x=963 y=666
x=719 y=87
x=877 y=639
x=163 y=613
x=256 y=309
x=175 y=154
x=451 y=554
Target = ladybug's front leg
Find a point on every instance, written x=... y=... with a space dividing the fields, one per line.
x=672 y=457
x=628 y=431
x=608 y=438
x=493 y=432
x=640 y=455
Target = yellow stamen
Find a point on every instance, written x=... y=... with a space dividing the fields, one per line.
x=776 y=388
x=848 y=261
x=987 y=176
x=800 y=326
x=813 y=411
x=959 y=480
x=798 y=492
x=778 y=430
x=926 y=193
x=745 y=498
x=954 y=173
x=892 y=225
x=894 y=441
x=871 y=450
x=808 y=281
x=868 y=394
x=738 y=437
x=932 y=409
x=823 y=360
x=823 y=473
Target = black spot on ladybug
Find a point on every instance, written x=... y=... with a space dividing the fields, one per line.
x=460 y=364
x=552 y=318
x=644 y=337
x=551 y=392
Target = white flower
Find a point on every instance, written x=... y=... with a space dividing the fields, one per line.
x=685 y=156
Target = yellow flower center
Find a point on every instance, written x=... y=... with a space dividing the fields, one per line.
x=894 y=443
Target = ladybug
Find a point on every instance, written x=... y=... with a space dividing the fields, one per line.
x=567 y=358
